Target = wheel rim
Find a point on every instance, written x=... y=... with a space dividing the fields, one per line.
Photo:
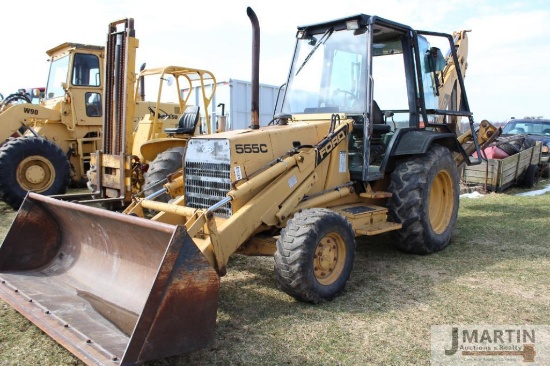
x=35 y=173
x=329 y=259
x=441 y=202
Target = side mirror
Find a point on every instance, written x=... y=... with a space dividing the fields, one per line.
x=434 y=60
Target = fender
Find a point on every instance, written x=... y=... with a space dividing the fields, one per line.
x=150 y=149
x=414 y=141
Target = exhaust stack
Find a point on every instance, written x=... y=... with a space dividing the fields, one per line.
x=142 y=84
x=255 y=111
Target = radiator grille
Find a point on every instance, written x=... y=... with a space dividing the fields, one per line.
x=206 y=184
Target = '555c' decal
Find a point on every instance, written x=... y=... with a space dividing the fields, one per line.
x=251 y=148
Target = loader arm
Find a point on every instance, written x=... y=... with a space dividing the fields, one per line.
x=24 y=115
x=285 y=185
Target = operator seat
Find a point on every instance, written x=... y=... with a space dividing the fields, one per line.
x=377 y=129
x=187 y=122
x=377 y=115
x=378 y=124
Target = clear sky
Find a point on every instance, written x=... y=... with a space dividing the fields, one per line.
x=509 y=54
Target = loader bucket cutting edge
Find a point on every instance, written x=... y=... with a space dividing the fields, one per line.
x=111 y=288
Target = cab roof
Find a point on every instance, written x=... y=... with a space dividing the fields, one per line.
x=68 y=45
x=340 y=24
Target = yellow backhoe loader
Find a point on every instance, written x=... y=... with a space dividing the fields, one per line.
x=118 y=289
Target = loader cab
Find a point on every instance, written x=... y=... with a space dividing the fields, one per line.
x=74 y=82
x=382 y=74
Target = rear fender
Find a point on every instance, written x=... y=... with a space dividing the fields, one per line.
x=413 y=141
x=150 y=149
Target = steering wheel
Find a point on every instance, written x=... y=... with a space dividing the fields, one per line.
x=346 y=100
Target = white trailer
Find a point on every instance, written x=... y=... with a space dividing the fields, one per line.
x=233 y=99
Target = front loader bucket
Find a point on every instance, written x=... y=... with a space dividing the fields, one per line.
x=113 y=289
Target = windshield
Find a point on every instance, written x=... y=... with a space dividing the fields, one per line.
x=532 y=127
x=328 y=74
x=58 y=75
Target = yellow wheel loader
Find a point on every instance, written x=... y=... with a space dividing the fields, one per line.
x=47 y=146
x=117 y=288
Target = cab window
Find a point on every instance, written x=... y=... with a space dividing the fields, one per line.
x=93 y=104
x=85 y=70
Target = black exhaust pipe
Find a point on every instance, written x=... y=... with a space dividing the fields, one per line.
x=142 y=83
x=255 y=111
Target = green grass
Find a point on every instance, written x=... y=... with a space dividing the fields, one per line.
x=494 y=272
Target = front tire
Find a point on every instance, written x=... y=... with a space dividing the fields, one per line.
x=32 y=164
x=315 y=255
x=167 y=162
x=425 y=199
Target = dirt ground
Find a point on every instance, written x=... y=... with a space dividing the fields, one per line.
x=493 y=272
x=7 y=215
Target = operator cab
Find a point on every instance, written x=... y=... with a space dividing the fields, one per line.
x=75 y=75
x=383 y=74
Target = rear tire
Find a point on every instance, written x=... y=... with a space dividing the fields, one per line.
x=32 y=164
x=167 y=162
x=315 y=255
x=531 y=177
x=425 y=192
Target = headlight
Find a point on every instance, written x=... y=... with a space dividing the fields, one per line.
x=544 y=149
